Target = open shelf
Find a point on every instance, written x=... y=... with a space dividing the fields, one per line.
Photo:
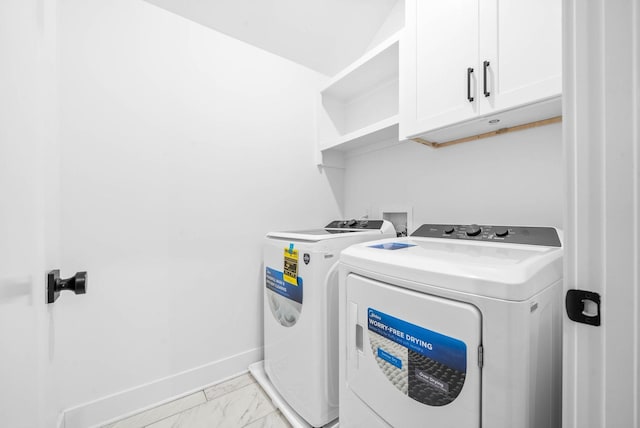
x=383 y=130
x=359 y=105
x=377 y=66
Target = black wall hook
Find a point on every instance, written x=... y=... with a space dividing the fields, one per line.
x=77 y=284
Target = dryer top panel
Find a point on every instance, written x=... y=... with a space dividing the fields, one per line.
x=528 y=235
x=500 y=270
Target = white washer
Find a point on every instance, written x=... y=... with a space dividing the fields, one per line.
x=301 y=313
x=454 y=326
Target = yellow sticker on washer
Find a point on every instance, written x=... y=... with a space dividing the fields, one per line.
x=290 y=271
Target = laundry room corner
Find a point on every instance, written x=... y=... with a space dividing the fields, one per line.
x=508 y=179
x=319 y=214
x=169 y=181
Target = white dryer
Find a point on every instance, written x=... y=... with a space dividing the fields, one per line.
x=301 y=313
x=454 y=326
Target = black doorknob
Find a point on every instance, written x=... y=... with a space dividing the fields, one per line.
x=77 y=284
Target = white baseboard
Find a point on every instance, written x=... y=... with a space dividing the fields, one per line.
x=142 y=397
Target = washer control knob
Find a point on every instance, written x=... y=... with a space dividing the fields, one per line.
x=449 y=230
x=502 y=231
x=352 y=222
x=363 y=223
x=473 y=230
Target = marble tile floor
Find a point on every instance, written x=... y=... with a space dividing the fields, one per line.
x=236 y=403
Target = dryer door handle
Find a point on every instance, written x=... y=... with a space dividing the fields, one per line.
x=352 y=325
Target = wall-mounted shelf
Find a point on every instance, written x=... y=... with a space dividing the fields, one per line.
x=377 y=66
x=359 y=105
x=385 y=129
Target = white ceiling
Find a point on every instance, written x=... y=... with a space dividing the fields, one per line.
x=324 y=35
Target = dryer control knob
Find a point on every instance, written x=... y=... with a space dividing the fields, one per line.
x=449 y=230
x=473 y=230
x=502 y=231
x=352 y=222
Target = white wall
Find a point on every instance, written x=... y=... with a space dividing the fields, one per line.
x=325 y=35
x=393 y=24
x=512 y=179
x=28 y=186
x=181 y=148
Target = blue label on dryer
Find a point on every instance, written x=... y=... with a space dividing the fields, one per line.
x=274 y=281
x=392 y=246
x=390 y=358
x=438 y=347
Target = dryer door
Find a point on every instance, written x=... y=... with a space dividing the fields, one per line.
x=412 y=357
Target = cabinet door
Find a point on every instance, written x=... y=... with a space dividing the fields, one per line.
x=441 y=43
x=522 y=40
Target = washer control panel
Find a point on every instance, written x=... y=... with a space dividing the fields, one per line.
x=355 y=224
x=547 y=236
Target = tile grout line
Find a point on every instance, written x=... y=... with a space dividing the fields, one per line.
x=268 y=400
x=264 y=417
x=220 y=397
x=206 y=400
x=165 y=404
x=181 y=411
x=170 y=416
x=227 y=392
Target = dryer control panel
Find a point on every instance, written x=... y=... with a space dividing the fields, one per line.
x=355 y=224
x=547 y=236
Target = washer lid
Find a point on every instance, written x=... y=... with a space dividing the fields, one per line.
x=373 y=229
x=320 y=234
x=505 y=271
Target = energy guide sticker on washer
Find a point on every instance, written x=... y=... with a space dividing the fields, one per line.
x=284 y=289
x=291 y=265
x=427 y=366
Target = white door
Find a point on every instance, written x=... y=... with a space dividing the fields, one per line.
x=520 y=52
x=440 y=48
x=26 y=130
x=411 y=356
x=602 y=222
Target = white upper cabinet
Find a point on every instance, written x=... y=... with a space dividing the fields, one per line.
x=522 y=41
x=465 y=63
x=442 y=44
